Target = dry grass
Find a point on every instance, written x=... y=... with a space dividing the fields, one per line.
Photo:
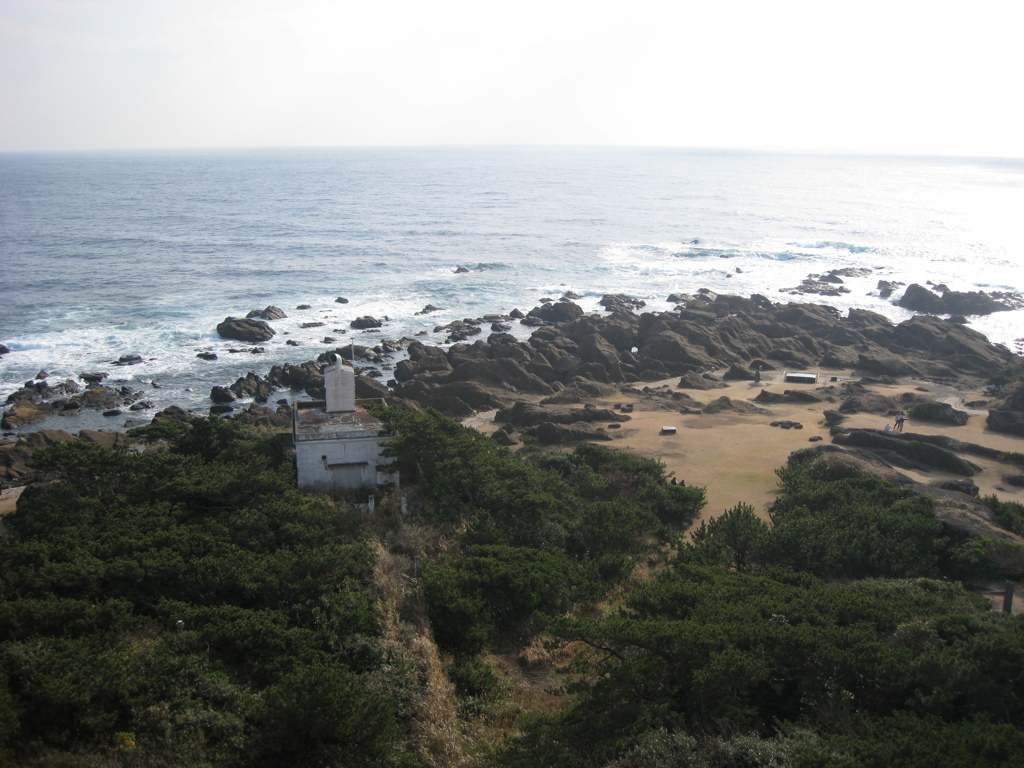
x=438 y=739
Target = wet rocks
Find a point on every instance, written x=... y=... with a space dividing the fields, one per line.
x=920 y=299
x=246 y=329
x=364 y=322
x=620 y=302
x=254 y=386
x=555 y=312
x=269 y=313
x=222 y=395
x=24 y=412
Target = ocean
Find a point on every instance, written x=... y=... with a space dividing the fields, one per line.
x=106 y=254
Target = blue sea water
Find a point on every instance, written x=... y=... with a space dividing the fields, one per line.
x=108 y=254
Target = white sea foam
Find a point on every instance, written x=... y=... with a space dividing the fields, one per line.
x=146 y=274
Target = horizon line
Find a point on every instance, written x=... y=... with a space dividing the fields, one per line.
x=753 y=150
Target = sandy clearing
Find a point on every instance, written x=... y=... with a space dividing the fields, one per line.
x=735 y=455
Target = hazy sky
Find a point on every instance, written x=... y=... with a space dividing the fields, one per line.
x=890 y=77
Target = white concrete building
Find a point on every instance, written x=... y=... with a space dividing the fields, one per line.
x=337 y=442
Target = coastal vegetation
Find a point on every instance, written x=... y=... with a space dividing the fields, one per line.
x=185 y=605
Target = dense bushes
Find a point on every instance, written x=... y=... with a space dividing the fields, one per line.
x=101 y=566
x=189 y=607
x=742 y=653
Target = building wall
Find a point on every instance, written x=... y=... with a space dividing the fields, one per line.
x=329 y=465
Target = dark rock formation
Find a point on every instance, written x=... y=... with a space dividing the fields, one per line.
x=366 y=321
x=555 y=312
x=254 y=386
x=737 y=373
x=697 y=381
x=173 y=413
x=833 y=418
x=919 y=299
x=1007 y=422
x=270 y=313
x=24 y=412
x=523 y=414
x=943 y=413
x=620 y=302
x=1008 y=414
x=222 y=395
x=905 y=452
x=245 y=330
x=15 y=456
x=727 y=404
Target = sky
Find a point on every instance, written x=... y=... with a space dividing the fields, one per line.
x=894 y=77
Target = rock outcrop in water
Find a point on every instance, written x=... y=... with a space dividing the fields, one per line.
x=919 y=299
x=245 y=329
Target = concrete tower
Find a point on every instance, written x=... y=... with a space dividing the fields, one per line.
x=340 y=386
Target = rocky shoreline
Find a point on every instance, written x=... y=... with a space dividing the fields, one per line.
x=571 y=357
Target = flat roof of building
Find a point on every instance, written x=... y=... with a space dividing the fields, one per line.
x=313 y=422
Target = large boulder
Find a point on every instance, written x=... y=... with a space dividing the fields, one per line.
x=943 y=413
x=938 y=341
x=1007 y=422
x=596 y=349
x=919 y=299
x=270 y=313
x=24 y=412
x=556 y=312
x=676 y=354
x=504 y=374
x=254 y=386
x=366 y=321
x=15 y=456
x=245 y=329
x=422 y=360
x=457 y=399
x=906 y=452
x=306 y=376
